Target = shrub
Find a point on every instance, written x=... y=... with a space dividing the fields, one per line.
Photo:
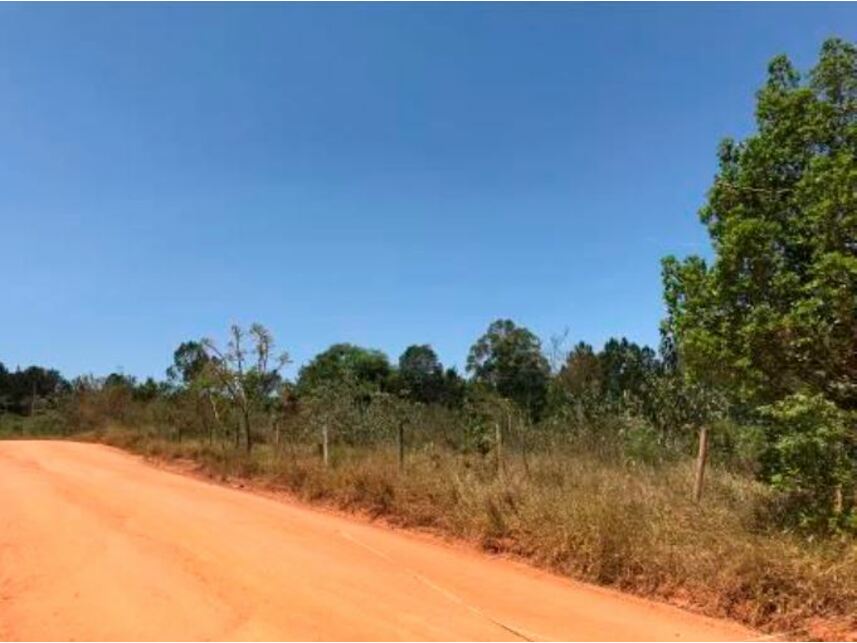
x=811 y=458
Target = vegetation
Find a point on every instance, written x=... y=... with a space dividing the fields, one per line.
x=590 y=462
x=773 y=321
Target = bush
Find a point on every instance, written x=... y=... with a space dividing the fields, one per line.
x=811 y=458
x=643 y=444
x=44 y=424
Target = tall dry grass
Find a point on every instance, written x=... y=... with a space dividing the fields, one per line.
x=598 y=518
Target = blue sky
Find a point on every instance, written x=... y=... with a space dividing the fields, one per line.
x=382 y=174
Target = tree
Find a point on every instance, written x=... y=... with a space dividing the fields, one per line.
x=249 y=379
x=420 y=374
x=509 y=360
x=625 y=368
x=120 y=380
x=592 y=381
x=454 y=389
x=199 y=377
x=369 y=369
x=579 y=381
x=115 y=395
x=581 y=374
x=189 y=360
x=773 y=319
x=147 y=391
x=775 y=314
x=22 y=390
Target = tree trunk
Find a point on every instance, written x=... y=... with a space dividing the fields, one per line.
x=216 y=416
x=701 y=458
x=248 y=435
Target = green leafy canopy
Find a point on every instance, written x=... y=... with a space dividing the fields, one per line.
x=776 y=311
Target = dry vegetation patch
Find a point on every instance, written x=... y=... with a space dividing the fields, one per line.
x=615 y=523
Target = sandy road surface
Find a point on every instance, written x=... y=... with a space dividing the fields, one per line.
x=96 y=544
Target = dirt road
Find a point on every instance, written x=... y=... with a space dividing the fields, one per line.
x=96 y=544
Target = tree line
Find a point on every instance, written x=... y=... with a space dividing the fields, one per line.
x=507 y=363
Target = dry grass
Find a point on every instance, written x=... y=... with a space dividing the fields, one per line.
x=632 y=527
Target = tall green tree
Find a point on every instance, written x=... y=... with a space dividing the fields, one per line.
x=420 y=375
x=367 y=368
x=775 y=312
x=625 y=368
x=509 y=360
x=189 y=361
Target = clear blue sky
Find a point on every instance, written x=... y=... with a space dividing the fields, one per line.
x=380 y=174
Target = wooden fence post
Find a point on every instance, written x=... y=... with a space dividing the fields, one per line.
x=498 y=439
x=701 y=457
x=325 y=453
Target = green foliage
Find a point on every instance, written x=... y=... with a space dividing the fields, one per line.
x=509 y=360
x=581 y=376
x=189 y=361
x=420 y=375
x=148 y=390
x=334 y=405
x=643 y=443
x=773 y=320
x=484 y=410
x=811 y=456
x=591 y=385
x=365 y=368
x=675 y=403
x=30 y=390
x=776 y=312
x=625 y=368
x=421 y=378
x=49 y=423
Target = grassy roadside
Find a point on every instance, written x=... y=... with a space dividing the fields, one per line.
x=623 y=525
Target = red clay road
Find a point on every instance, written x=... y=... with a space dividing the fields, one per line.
x=96 y=544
